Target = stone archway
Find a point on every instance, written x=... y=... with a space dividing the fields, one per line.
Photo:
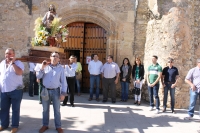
x=95 y=15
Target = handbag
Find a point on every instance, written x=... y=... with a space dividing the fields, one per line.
x=45 y=94
x=78 y=75
x=136 y=90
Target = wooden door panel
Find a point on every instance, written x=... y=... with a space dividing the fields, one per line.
x=88 y=38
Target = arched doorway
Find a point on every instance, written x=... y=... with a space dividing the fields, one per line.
x=84 y=40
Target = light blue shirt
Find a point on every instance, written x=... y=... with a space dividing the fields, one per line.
x=110 y=70
x=9 y=80
x=53 y=77
x=70 y=72
x=194 y=76
x=31 y=66
x=94 y=67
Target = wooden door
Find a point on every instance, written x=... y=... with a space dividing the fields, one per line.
x=94 y=43
x=88 y=39
x=75 y=40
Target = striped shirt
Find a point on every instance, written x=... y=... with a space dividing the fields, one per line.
x=154 y=70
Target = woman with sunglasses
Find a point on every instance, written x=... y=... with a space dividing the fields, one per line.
x=138 y=77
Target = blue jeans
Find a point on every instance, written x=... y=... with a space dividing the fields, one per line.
x=125 y=88
x=193 y=99
x=93 y=79
x=154 y=91
x=172 y=95
x=54 y=96
x=78 y=85
x=8 y=98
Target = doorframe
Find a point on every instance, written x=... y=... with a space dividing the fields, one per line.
x=97 y=16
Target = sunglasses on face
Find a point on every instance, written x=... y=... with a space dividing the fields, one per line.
x=54 y=56
x=169 y=61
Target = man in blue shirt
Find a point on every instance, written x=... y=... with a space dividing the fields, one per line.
x=11 y=86
x=110 y=76
x=169 y=80
x=53 y=76
x=193 y=79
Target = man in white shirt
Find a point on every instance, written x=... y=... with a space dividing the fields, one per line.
x=11 y=85
x=33 y=85
x=70 y=70
x=94 y=69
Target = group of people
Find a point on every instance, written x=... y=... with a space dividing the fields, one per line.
x=169 y=76
x=59 y=81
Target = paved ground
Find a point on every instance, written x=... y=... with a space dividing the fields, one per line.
x=96 y=117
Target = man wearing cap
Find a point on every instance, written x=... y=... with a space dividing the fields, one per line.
x=193 y=79
x=169 y=80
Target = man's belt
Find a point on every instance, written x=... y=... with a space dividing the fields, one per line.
x=110 y=78
x=52 y=88
x=70 y=77
x=95 y=74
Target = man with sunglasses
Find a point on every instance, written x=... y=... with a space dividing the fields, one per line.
x=53 y=76
x=169 y=80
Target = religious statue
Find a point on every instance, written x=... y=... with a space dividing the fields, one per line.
x=49 y=17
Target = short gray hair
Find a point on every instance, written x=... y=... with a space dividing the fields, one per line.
x=11 y=49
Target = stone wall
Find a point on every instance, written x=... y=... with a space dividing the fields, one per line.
x=15 y=29
x=171 y=35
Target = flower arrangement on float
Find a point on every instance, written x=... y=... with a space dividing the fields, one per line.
x=63 y=31
x=42 y=37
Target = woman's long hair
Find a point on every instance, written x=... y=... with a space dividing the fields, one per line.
x=137 y=58
x=127 y=63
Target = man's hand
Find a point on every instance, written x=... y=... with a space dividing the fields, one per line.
x=173 y=86
x=44 y=64
x=62 y=97
x=163 y=84
x=116 y=81
x=38 y=80
x=152 y=85
x=12 y=60
x=193 y=87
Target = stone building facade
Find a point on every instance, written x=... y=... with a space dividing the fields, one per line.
x=134 y=28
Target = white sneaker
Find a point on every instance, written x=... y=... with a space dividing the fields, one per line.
x=151 y=108
x=157 y=111
x=188 y=118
